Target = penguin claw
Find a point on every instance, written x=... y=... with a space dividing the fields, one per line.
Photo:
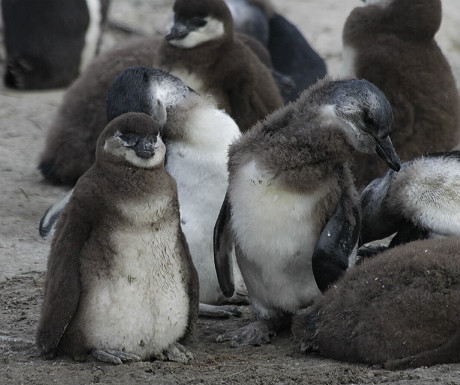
x=175 y=352
x=256 y=334
x=115 y=357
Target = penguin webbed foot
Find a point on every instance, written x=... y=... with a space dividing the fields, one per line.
x=256 y=333
x=215 y=311
x=176 y=353
x=239 y=299
x=114 y=357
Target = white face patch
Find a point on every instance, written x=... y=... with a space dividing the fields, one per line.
x=92 y=33
x=115 y=146
x=213 y=30
x=380 y=3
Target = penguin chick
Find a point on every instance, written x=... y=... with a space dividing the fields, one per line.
x=49 y=43
x=121 y=284
x=391 y=44
x=202 y=50
x=197 y=136
x=422 y=200
x=400 y=309
x=291 y=208
x=290 y=53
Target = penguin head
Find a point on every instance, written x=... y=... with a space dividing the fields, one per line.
x=145 y=89
x=132 y=139
x=197 y=22
x=366 y=116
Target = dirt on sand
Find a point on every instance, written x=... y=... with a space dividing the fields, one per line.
x=25 y=118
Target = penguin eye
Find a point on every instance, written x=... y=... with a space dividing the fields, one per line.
x=130 y=139
x=198 y=22
x=368 y=119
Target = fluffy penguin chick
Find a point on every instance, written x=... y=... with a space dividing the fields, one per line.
x=420 y=201
x=121 y=284
x=197 y=137
x=400 y=308
x=391 y=44
x=203 y=51
x=291 y=208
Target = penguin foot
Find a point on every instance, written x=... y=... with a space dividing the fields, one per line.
x=239 y=299
x=256 y=334
x=175 y=352
x=115 y=357
x=214 y=311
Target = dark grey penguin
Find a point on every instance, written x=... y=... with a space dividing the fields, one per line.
x=400 y=309
x=422 y=200
x=204 y=53
x=291 y=208
x=197 y=136
x=290 y=52
x=50 y=42
x=246 y=83
x=391 y=44
x=121 y=284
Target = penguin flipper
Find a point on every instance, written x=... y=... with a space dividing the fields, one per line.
x=223 y=245
x=62 y=285
x=51 y=216
x=334 y=246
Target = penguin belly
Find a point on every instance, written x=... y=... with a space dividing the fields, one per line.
x=201 y=185
x=141 y=306
x=276 y=232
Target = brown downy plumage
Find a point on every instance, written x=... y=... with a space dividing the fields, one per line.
x=400 y=309
x=119 y=257
x=392 y=45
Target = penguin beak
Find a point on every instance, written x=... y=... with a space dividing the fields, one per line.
x=144 y=148
x=386 y=151
x=177 y=32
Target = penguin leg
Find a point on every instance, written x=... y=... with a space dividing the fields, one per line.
x=114 y=357
x=256 y=333
x=175 y=352
x=215 y=311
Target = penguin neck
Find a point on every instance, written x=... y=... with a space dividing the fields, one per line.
x=202 y=56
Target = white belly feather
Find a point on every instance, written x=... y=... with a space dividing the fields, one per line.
x=277 y=233
x=142 y=307
x=199 y=166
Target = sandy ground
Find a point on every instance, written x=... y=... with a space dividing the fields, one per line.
x=24 y=119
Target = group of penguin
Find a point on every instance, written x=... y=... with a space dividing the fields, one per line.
x=207 y=166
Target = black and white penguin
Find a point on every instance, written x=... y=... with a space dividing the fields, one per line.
x=290 y=52
x=291 y=208
x=50 y=42
x=391 y=44
x=422 y=200
x=400 y=309
x=204 y=53
x=121 y=284
x=215 y=68
x=197 y=136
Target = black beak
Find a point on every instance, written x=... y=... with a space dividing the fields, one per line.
x=144 y=148
x=177 y=31
x=386 y=151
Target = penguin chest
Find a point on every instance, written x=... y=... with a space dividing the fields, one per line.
x=276 y=230
x=142 y=305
